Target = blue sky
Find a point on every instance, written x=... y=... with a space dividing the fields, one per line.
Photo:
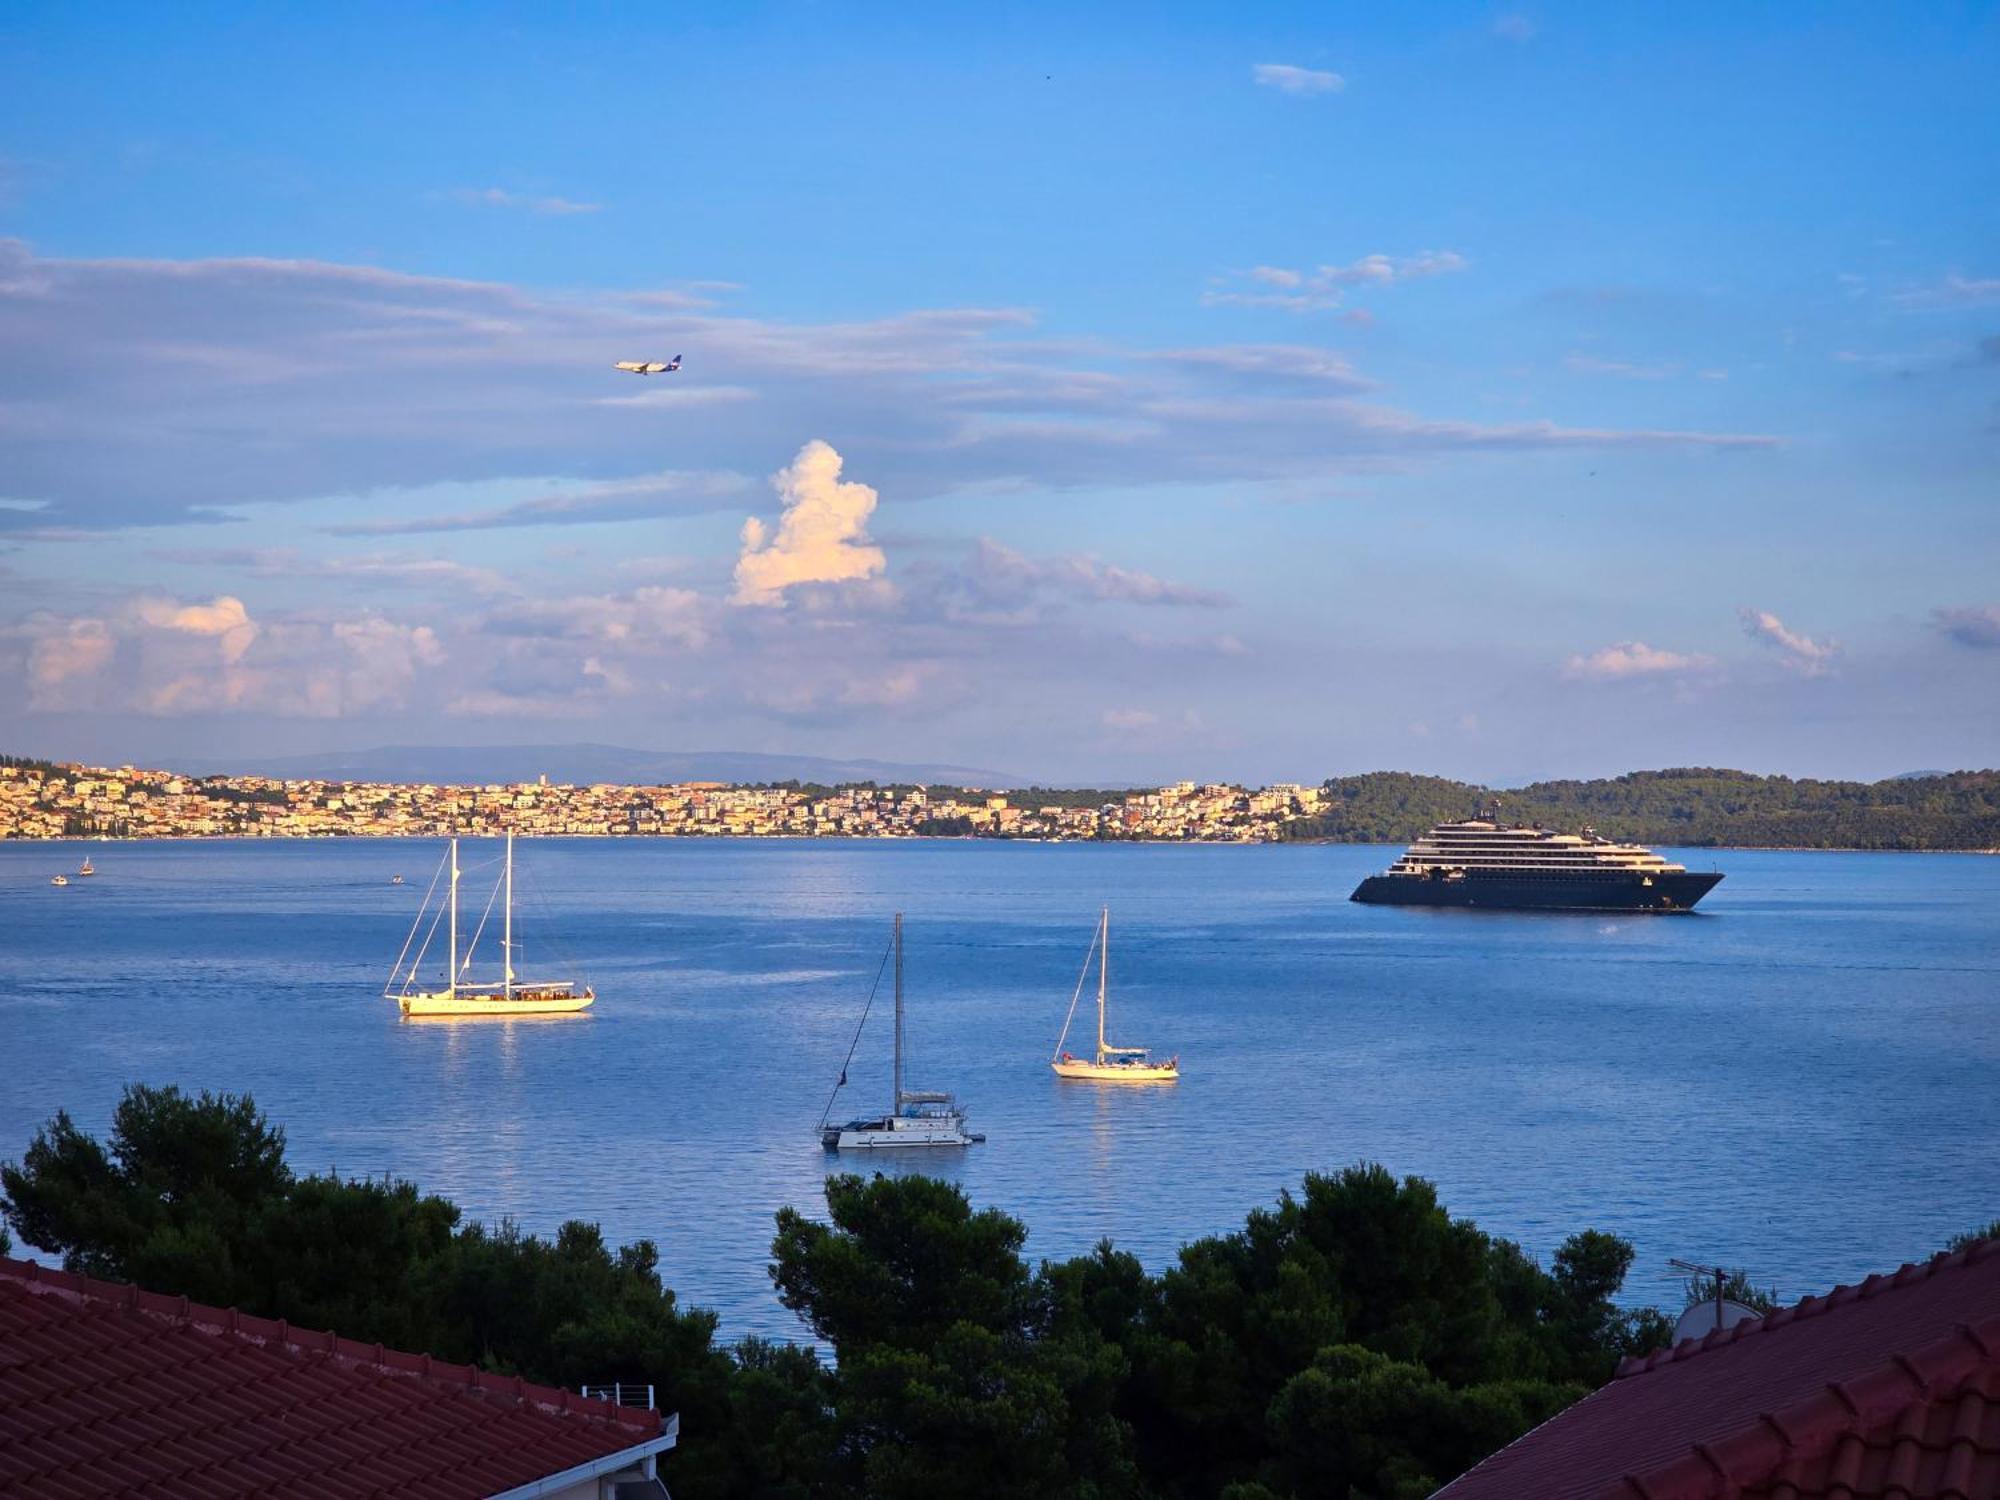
x=1262 y=392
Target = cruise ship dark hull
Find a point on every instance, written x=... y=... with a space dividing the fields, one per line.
x=1610 y=891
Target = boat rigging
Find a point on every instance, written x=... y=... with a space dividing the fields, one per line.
x=1108 y=1064
x=461 y=996
x=917 y=1117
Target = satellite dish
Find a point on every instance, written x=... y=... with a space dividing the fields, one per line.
x=1702 y=1319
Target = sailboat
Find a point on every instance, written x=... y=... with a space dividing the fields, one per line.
x=86 y=868
x=1110 y=1064
x=463 y=997
x=916 y=1118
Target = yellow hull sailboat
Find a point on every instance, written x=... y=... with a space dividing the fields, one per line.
x=523 y=1002
x=461 y=997
x=1108 y=1064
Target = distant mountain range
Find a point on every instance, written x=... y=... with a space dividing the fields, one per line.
x=587 y=764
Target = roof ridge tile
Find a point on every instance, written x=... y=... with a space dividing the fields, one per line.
x=1909 y=1273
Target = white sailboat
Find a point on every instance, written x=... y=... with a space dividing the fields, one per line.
x=465 y=997
x=917 y=1117
x=1109 y=1064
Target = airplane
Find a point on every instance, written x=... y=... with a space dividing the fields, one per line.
x=641 y=367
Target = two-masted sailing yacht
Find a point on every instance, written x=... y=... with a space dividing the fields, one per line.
x=1108 y=1064
x=466 y=997
x=917 y=1117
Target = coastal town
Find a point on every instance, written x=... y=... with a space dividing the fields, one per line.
x=44 y=800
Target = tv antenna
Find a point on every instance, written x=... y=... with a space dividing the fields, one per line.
x=1696 y=1320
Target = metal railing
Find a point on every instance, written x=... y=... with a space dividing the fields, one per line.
x=622 y=1395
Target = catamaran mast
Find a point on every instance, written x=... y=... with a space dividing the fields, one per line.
x=1103 y=963
x=451 y=983
x=898 y=1109
x=507 y=930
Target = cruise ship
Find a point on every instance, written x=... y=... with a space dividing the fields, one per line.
x=1484 y=862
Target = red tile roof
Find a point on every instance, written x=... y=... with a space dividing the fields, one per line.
x=108 y=1390
x=1888 y=1389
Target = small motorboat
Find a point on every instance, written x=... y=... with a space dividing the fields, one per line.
x=395 y=880
x=60 y=880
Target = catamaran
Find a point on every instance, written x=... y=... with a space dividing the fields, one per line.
x=918 y=1117
x=1109 y=1064
x=466 y=997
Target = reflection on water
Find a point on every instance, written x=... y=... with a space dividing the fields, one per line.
x=1798 y=1080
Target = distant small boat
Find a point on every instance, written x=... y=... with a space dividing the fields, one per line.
x=917 y=1118
x=86 y=868
x=395 y=880
x=60 y=880
x=460 y=997
x=1109 y=1064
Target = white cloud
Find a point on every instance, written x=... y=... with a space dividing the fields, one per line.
x=548 y=207
x=72 y=648
x=1954 y=290
x=1630 y=659
x=1381 y=269
x=1294 y=80
x=1801 y=652
x=1970 y=625
x=821 y=537
x=667 y=398
x=1001 y=571
x=159 y=656
x=379 y=393
x=381 y=568
x=224 y=618
x=648 y=618
x=639 y=498
x=1296 y=362
x=1323 y=287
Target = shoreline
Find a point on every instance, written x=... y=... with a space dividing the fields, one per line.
x=884 y=838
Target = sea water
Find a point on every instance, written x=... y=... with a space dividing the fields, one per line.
x=1801 y=1079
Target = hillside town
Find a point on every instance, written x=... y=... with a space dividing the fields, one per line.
x=42 y=800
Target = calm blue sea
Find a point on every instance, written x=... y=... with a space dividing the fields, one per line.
x=1803 y=1079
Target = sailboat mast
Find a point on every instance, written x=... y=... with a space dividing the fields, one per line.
x=507 y=929
x=451 y=983
x=898 y=1108
x=1103 y=963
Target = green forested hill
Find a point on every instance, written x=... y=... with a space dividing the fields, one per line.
x=1684 y=806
